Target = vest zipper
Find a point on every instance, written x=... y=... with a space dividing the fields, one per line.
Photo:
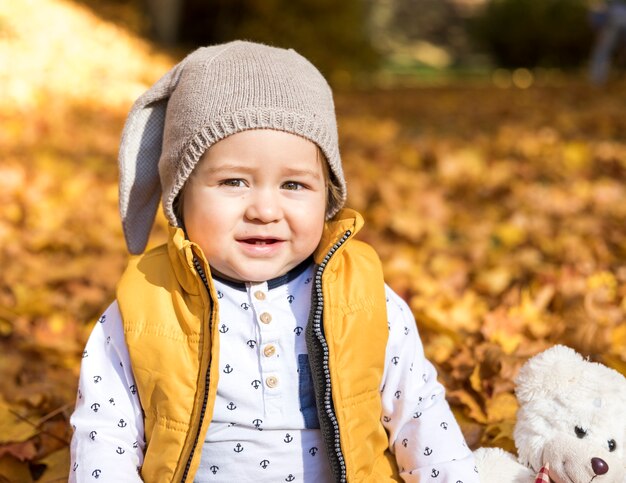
x=205 y=399
x=318 y=346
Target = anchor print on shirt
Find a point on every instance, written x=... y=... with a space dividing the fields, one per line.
x=290 y=477
x=228 y=369
x=264 y=464
x=313 y=451
x=120 y=450
x=288 y=438
x=238 y=448
x=223 y=328
x=298 y=330
x=257 y=424
x=245 y=306
x=96 y=473
x=251 y=343
x=214 y=469
x=231 y=406
x=255 y=384
x=102 y=319
x=220 y=295
x=428 y=451
x=444 y=425
x=95 y=407
x=122 y=424
x=434 y=473
x=290 y=299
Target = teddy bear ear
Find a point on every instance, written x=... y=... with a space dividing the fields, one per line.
x=538 y=375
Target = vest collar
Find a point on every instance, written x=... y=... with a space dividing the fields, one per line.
x=181 y=254
x=344 y=221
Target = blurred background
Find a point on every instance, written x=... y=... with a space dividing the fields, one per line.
x=483 y=140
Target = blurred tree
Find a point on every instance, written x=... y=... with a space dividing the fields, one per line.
x=529 y=33
x=431 y=32
x=333 y=35
x=165 y=18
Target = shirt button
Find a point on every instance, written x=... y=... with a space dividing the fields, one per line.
x=259 y=295
x=271 y=381
x=266 y=318
x=269 y=350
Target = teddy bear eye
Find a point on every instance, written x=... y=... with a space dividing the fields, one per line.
x=612 y=445
x=580 y=432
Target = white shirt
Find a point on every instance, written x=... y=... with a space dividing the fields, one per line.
x=264 y=427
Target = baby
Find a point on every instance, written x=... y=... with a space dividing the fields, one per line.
x=261 y=342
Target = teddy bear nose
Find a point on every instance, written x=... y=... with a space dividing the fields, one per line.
x=599 y=466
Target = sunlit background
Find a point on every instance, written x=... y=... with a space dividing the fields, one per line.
x=483 y=140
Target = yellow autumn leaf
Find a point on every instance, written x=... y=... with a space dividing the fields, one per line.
x=618 y=341
x=440 y=348
x=494 y=280
x=500 y=434
x=14 y=427
x=501 y=407
x=576 y=155
x=473 y=409
x=510 y=234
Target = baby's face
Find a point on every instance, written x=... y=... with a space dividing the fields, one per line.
x=256 y=204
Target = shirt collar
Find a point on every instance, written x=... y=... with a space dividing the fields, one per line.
x=273 y=283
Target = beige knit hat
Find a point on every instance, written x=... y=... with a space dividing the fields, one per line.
x=215 y=92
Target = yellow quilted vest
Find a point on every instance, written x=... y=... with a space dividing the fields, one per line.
x=170 y=324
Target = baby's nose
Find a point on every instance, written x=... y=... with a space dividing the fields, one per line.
x=599 y=466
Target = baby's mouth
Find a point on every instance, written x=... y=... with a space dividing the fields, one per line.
x=260 y=241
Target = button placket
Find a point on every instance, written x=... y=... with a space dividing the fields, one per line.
x=269 y=342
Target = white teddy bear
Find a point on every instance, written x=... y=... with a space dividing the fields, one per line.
x=572 y=419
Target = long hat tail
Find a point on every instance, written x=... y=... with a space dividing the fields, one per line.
x=140 y=150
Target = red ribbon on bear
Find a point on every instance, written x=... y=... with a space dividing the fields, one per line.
x=544 y=475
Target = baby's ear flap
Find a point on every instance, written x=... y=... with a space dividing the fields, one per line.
x=140 y=150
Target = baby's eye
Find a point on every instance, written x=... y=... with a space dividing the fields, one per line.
x=580 y=432
x=236 y=183
x=612 y=445
x=292 y=185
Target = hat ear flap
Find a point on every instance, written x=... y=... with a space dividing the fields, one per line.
x=140 y=150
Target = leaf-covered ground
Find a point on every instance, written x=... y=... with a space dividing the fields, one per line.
x=500 y=215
